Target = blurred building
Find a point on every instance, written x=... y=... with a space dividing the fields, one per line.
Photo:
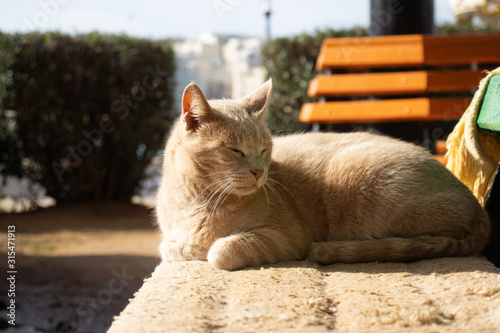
x=486 y=11
x=222 y=66
x=243 y=55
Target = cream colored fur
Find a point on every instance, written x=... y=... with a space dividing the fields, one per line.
x=233 y=195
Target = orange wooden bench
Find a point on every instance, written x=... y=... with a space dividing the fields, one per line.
x=412 y=77
x=441 y=151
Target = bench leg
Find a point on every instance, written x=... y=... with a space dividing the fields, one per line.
x=492 y=250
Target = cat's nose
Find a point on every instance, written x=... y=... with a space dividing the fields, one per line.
x=257 y=173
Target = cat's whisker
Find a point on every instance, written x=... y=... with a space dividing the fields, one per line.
x=216 y=183
x=217 y=187
x=230 y=190
x=220 y=188
x=221 y=193
x=274 y=187
x=214 y=173
x=276 y=194
x=282 y=132
x=208 y=199
x=280 y=186
x=267 y=196
x=222 y=197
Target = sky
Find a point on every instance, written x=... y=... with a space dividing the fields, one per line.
x=160 y=19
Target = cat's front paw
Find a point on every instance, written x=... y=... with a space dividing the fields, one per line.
x=171 y=251
x=222 y=254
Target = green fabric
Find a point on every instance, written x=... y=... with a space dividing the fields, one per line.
x=489 y=115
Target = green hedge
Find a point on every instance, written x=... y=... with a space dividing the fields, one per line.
x=91 y=111
x=290 y=62
x=460 y=29
x=10 y=146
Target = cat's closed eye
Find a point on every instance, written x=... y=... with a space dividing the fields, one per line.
x=238 y=152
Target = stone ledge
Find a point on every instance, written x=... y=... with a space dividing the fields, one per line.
x=445 y=295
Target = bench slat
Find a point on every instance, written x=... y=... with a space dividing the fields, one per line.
x=409 y=109
x=441 y=147
x=393 y=83
x=461 y=49
x=441 y=159
x=408 y=51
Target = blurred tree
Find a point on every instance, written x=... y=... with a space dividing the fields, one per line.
x=91 y=111
x=10 y=146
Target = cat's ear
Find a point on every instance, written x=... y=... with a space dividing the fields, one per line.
x=257 y=101
x=195 y=108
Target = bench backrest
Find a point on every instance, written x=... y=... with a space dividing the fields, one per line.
x=414 y=77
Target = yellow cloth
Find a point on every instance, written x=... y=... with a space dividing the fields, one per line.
x=473 y=156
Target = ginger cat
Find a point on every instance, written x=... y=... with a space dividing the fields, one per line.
x=233 y=195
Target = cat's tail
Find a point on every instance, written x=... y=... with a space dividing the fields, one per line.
x=402 y=249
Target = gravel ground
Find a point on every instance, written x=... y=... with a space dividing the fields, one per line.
x=77 y=266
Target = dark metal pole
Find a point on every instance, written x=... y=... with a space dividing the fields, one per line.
x=267 y=14
x=399 y=17
x=268 y=24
